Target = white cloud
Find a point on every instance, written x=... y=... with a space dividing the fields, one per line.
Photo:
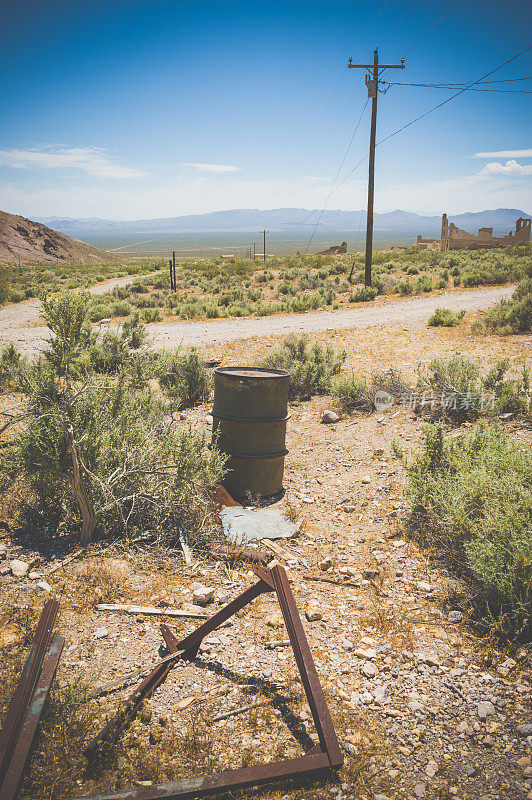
x=211 y=167
x=92 y=160
x=511 y=167
x=506 y=154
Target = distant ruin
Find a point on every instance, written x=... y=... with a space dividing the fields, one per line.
x=335 y=250
x=454 y=238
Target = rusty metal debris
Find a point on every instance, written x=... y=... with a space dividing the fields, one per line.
x=20 y=726
x=322 y=758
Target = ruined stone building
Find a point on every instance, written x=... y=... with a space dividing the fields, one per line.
x=453 y=238
x=335 y=250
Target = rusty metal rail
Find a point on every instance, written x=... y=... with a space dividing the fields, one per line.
x=322 y=758
x=26 y=707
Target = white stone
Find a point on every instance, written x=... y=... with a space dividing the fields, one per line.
x=347 y=644
x=101 y=633
x=44 y=586
x=19 y=568
x=485 y=709
x=366 y=479
x=202 y=595
x=329 y=416
x=369 y=669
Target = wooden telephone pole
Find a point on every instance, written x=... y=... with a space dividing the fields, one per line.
x=372 y=82
x=264 y=232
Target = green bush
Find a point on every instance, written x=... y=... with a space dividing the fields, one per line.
x=404 y=288
x=16 y=296
x=100 y=311
x=424 y=284
x=352 y=393
x=363 y=294
x=311 y=366
x=511 y=316
x=472 y=498
x=152 y=315
x=105 y=453
x=182 y=376
x=445 y=317
x=122 y=309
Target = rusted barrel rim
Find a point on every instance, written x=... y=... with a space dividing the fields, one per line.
x=250 y=419
x=282 y=454
x=251 y=373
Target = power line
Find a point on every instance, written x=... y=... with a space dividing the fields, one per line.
x=448 y=100
x=456 y=86
x=336 y=177
x=432 y=27
x=399 y=22
x=434 y=108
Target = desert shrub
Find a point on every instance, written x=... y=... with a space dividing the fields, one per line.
x=16 y=296
x=113 y=351
x=183 y=377
x=152 y=315
x=11 y=362
x=404 y=288
x=424 y=284
x=100 y=311
x=352 y=394
x=311 y=366
x=363 y=294
x=122 y=309
x=511 y=316
x=472 y=498
x=4 y=287
x=457 y=390
x=103 y=452
x=445 y=317
x=454 y=387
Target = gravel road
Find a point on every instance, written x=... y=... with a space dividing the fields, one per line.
x=19 y=323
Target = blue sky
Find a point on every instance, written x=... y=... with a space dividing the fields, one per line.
x=146 y=109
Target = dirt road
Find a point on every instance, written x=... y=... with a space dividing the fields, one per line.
x=19 y=323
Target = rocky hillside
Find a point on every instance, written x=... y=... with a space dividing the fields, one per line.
x=28 y=241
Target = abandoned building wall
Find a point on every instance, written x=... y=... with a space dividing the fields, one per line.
x=454 y=238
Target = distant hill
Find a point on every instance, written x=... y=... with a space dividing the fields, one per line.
x=290 y=220
x=28 y=241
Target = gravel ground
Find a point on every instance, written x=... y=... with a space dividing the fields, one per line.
x=20 y=324
x=432 y=711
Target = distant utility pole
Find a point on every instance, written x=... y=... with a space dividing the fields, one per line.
x=254 y=249
x=264 y=232
x=372 y=82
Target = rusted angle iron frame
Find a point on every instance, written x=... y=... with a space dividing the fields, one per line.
x=24 y=692
x=323 y=757
x=23 y=746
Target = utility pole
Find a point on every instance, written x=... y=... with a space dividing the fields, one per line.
x=254 y=249
x=264 y=232
x=372 y=82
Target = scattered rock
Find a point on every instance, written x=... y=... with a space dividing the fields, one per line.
x=469 y=770
x=326 y=564
x=202 y=595
x=525 y=729
x=366 y=479
x=431 y=769
x=3 y=550
x=275 y=621
x=369 y=669
x=145 y=713
x=313 y=613
x=420 y=789
x=101 y=633
x=45 y=586
x=455 y=616
x=366 y=698
x=424 y=587
x=19 y=568
x=329 y=416
x=347 y=644
x=34 y=576
x=485 y=709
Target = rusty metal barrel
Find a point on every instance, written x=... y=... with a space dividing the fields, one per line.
x=249 y=425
